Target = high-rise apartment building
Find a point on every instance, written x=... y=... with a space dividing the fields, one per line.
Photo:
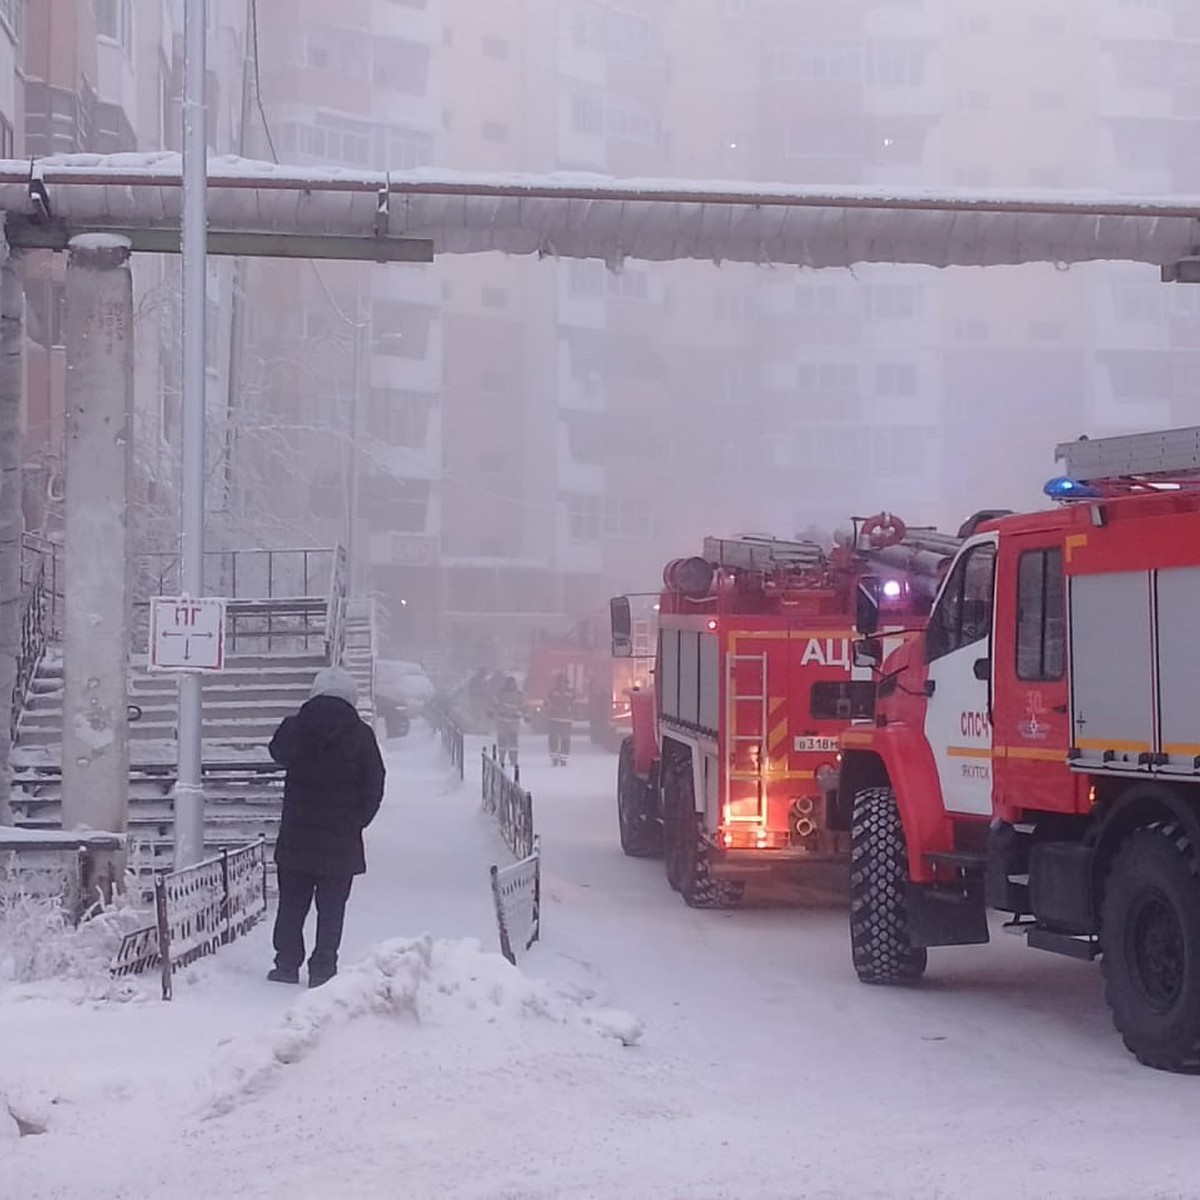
x=530 y=436
x=105 y=76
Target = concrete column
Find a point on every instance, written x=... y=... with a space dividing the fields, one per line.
x=12 y=525
x=95 y=562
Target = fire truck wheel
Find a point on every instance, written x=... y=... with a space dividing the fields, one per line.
x=1150 y=936
x=879 y=940
x=697 y=885
x=641 y=836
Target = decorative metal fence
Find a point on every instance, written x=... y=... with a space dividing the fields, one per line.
x=510 y=804
x=517 y=893
x=451 y=731
x=197 y=911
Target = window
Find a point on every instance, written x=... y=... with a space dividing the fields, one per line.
x=495 y=47
x=815 y=61
x=629 y=284
x=492 y=462
x=826 y=377
x=1047 y=331
x=625 y=517
x=892 y=301
x=493 y=297
x=47 y=311
x=834 y=701
x=495 y=382
x=970 y=331
x=1041 y=616
x=587 y=115
x=613 y=32
x=114 y=20
x=974 y=101
x=10 y=14
x=897 y=64
x=896 y=379
x=400 y=66
x=735 y=305
x=585 y=279
x=974 y=23
x=814 y=298
x=963 y=615
x=495 y=131
x=407 y=148
x=400 y=417
x=630 y=122
x=583 y=517
x=1048 y=101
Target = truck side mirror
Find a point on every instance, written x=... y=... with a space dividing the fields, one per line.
x=983 y=669
x=866 y=611
x=868 y=653
x=622 y=627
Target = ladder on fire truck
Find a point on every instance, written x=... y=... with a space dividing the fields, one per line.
x=751 y=553
x=755 y=743
x=643 y=638
x=1163 y=456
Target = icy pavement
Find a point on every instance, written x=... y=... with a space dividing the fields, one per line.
x=643 y=1050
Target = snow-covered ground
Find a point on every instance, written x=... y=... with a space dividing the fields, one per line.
x=643 y=1050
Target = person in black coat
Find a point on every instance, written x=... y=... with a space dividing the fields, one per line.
x=331 y=793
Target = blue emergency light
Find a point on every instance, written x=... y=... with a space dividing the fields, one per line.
x=1063 y=487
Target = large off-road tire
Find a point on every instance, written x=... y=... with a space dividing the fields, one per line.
x=641 y=834
x=879 y=939
x=1150 y=937
x=697 y=885
x=686 y=853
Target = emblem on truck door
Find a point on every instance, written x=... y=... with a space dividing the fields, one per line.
x=1032 y=727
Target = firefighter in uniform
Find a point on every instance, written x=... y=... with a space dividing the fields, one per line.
x=507 y=709
x=559 y=709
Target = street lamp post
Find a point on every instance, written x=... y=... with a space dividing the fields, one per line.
x=189 y=791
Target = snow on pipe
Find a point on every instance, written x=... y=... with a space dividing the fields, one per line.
x=574 y=215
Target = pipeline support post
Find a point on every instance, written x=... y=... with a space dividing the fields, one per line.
x=95 y=753
x=189 y=791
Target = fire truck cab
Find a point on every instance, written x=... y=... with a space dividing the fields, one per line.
x=731 y=768
x=1036 y=750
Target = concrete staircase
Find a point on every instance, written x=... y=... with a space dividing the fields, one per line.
x=242 y=708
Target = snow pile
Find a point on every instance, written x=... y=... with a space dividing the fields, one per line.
x=38 y=942
x=419 y=980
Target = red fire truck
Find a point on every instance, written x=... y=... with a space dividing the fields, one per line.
x=571 y=654
x=731 y=768
x=1037 y=749
x=615 y=680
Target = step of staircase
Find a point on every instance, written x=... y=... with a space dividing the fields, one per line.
x=242 y=709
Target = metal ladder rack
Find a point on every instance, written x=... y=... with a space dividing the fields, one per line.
x=1170 y=453
x=762 y=554
x=733 y=699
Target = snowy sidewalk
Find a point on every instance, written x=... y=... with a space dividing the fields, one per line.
x=429 y=1069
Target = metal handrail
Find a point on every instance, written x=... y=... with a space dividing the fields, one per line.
x=33 y=645
x=237 y=574
x=335 y=609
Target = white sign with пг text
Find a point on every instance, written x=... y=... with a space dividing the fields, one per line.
x=187 y=634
